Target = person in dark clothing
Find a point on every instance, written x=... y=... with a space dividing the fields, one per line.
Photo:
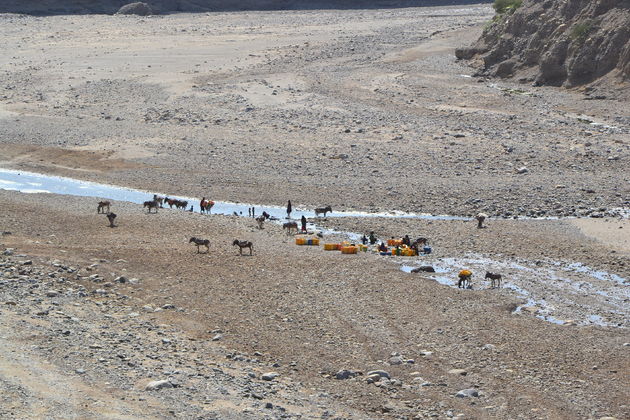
x=406 y=240
x=364 y=239
x=382 y=247
x=372 y=238
x=303 y=224
x=289 y=209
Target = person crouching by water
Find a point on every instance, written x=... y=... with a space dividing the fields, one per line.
x=382 y=247
x=406 y=240
x=372 y=238
x=364 y=239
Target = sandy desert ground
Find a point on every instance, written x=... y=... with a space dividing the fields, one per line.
x=359 y=109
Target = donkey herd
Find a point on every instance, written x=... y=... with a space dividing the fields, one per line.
x=291 y=227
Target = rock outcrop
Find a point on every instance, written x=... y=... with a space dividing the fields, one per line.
x=557 y=42
x=137 y=8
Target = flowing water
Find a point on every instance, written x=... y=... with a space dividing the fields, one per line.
x=552 y=289
x=30 y=182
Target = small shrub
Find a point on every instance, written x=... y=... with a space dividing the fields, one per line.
x=503 y=6
x=580 y=31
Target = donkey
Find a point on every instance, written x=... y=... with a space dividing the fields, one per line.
x=151 y=205
x=160 y=200
x=200 y=242
x=102 y=206
x=324 y=210
x=206 y=205
x=111 y=217
x=289 y=226
x=244 y=244
x=464 y=280
x=261 y=219
x=171 y=202
x=495 y=279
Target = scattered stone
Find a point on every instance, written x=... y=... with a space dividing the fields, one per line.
x=467 y=393
x=217 y=337
x=380 y=373
x=522 y=170
x=346 y=374
x=269 y=376
x=155 y=385
x=424 y=268
x=461 y=372
x=121 y=279
x=137 y=8
x=396 y=360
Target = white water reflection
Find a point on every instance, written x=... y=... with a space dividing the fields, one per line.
x=555 y=291
x=23 y=181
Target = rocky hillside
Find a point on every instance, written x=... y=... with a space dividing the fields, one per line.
x=47 y=7
x=556 y=42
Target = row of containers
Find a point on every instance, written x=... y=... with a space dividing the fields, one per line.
x=397 y=248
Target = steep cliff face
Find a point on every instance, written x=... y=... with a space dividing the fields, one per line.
x=557 y=42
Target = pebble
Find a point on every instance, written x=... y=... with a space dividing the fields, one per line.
x=217 y=337
x=396 y=360
x=154 y=385
x=345 y=374
x=269 y=376
x=380 y=373
x=461 y=372
x=466 y=393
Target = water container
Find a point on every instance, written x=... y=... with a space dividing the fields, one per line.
x=349 y=250
x=427 y=249
x=331 y=247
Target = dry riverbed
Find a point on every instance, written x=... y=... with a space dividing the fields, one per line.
x=302 y=312
x=358 y=109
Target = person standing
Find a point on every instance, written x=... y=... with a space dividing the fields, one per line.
x=303 y=224
x=289 y=209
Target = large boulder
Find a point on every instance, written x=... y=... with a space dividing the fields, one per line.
x=138 y=8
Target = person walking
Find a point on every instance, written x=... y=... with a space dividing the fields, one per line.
x=303 y=224
x=289 y=209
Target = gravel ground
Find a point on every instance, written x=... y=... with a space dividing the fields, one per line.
x=363 y=109
x=357 y=109
x=310 y=315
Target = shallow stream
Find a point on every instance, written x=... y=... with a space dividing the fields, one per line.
x=554 y=290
